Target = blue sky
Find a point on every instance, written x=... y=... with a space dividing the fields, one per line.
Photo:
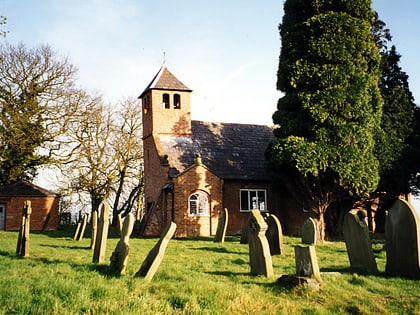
x=225 y=50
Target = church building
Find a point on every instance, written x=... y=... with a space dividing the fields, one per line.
x=195 y=169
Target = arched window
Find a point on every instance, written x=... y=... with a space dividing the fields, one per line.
x=165 y=100
x=198 y=204
x=177 y=101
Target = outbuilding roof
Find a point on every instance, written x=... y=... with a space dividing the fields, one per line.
x=230 y=150
x=25 y=189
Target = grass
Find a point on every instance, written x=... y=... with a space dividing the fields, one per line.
x=197 y=276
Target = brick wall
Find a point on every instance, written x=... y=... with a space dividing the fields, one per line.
x=43 y=208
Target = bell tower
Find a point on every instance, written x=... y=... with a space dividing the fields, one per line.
x=166 y=106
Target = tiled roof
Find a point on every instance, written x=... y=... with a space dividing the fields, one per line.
x=231 y=151
x=165 y=80
x=25 y=189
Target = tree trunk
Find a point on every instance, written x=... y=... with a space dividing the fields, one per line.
x=318 y=215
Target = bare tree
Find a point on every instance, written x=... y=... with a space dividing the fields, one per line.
x=102 y=154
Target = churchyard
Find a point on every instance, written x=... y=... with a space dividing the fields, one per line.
x=196 y=276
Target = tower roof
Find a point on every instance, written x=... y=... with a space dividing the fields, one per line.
x=165 y=80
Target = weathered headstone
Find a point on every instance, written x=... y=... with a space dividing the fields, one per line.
x=402 y=241
x=119 y=257
x=94 y=231
x=80 y=230
x=222 y=226
x=358 y=243
x=22 y=248
x=274 y=235
x=307 y=262
x=259 y=250
x=151 y=264
x=309 y=231
x=102 y=235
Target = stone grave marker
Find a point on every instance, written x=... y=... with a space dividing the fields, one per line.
x=119 y=224
x=102 y=235
x=358 y=243
x=274 y=235
x=309 y=231
x=22 y=248
x=119 y=257
x=94 y=223
x=222 y=226
x=245 y=232
x=259 y=249
x=151 y=264
x=307 y=262
x=80 y=229
x=402 y=241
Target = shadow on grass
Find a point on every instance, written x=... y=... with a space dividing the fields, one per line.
x=217 y=250
x=66 y=246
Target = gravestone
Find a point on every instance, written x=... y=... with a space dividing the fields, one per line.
x=119 y=257
x=94 y=228
x=309 y=231
x=245 y=232
x=402 y=241
x=222 y=226
x=101 y=235
x=80 y=230
x=274 y=235
x=22 y=248
x=307 y=262
x=358 y=243
x=259 y=249
x=151 y=264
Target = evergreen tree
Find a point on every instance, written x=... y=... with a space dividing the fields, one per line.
x=331 y=108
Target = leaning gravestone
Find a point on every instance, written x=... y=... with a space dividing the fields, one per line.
x=119 y=257
x=402 y=241
x=151 y=264
x=309 y=231
x=274 y=235
x=306 y=262
x=80 y=230
x=119 y=224
x=358 y=243
x=259 y=249
x=22 y=248
x=101 y=235
x=222 y=226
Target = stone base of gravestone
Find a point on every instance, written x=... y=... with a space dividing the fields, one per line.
x=307 y=262
x=274 y=235
x=259 y=249
x=358 y=243
x=222 y=226
x=152 y=262
x=294 y=280
x=402 y=241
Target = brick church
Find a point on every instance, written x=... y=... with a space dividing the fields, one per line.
x=194 y=169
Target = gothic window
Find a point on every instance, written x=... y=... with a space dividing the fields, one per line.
x=165 y=100
x=198 y=204
x=177 y=101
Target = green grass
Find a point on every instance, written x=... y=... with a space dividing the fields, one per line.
x=197 y=276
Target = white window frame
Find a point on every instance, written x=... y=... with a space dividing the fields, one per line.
x=198 y=202
x=253 y=201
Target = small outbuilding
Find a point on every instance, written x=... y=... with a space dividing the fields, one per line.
x=44 y=203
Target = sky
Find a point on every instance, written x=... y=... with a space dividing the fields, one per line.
x=226 y=51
